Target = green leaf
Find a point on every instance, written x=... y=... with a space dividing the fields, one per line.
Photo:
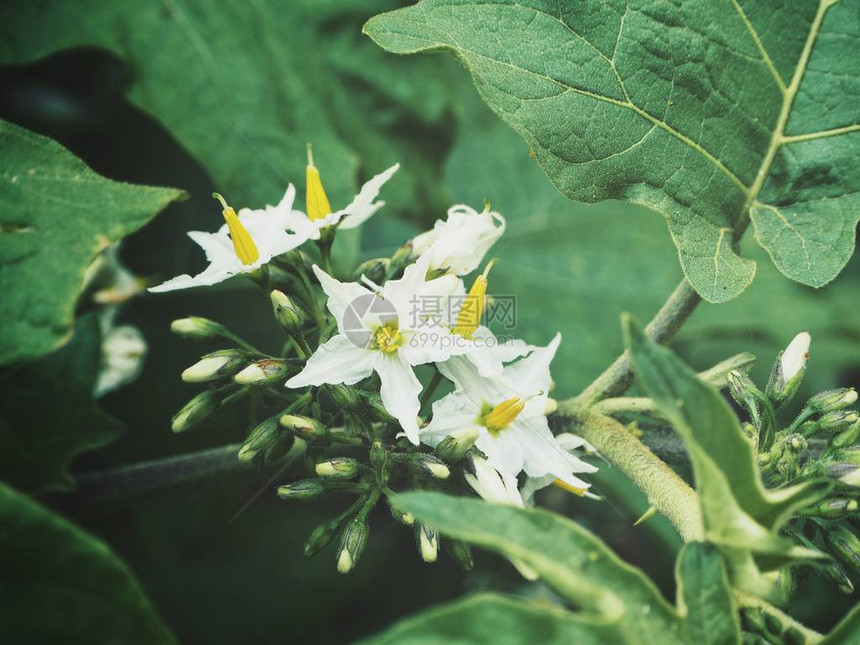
x=48 y=413
x=575 y=268
x=56 y=215
x=740 y=515
x=710 y=113
x=64 y=586
x=847 y=632
x=245 y=86
x=580 y=567
x=494 y=620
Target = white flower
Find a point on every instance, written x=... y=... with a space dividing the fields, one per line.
x=497 y=488
x=460 y=243
x=795 y=356
x=243 y=244
x=509 y=413
x=309 y=226
x=123 y=350
x=570 y=443
x=382 y=333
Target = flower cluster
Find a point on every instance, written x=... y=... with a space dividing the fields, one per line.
x=821 y=442
x=345 y=390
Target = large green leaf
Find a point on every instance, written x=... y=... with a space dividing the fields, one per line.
x=61 y=585
x=56 y=215
x=495 y=620
x=48 y=414
x=244 y=86
x=575 y=268
x=739 y=513
x=606 y=591
x=713 y=113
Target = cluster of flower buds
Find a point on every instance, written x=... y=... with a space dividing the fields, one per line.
x=821 y=442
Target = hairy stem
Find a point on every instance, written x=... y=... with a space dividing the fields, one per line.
x=618 y=376
x=750 y=601
x=663 y=487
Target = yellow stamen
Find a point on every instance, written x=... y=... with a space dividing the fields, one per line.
x=243 y=243
x=502 y=415
x=388 y=338
x=316 y=201
x=469 y=318
x=571 y=489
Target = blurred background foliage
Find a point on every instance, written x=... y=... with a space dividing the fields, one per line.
x=224 y=95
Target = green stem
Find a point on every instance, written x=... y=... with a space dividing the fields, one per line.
x=629 y=404
x=428 y=393
x=661 y=485
x=750 y=601
x=618 y=376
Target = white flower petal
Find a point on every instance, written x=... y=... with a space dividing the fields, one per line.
x=400 y=390
x=492 y=485
x=795 y=355
x=468 y=381
x=451 y=413
x=503 y=451
x=362 y=207
x=532 y=372
x=341 y=295
x=212 y=275
x=461 y=242
x=218 y=248
x=336 y=361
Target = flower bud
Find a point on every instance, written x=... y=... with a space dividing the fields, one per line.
x=831 y=423
x=321 y=537
x=847 y=437
x=302 y=490
x=352 y=543
x=427 y=465
x=303 y=427
x=374 y=270
x=374 y=407
x=265 y=371
x=717 y=376
x=461 y=553
x=214 y=366
x=400 y=258
x=267 y=442
x=835 y=574
x=789 y=370
x=832 y=400
x=197 y=410
x=455 y=446
x=408 y=519
x=196 y=328
x=344 y=397
x=288 y=315
x=845 y=545
x=428 y=542
x=338 y=468
x=835 y=508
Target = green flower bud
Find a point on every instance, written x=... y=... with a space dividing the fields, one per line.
x=265 y=371
x=302 y=490
x=303 y=427
x=345 y=397
x=214 y=366
x=788 y=370
x=374 y=270
x=196 y=328
x=847 y=437
x=321 y=537
x=407 y=519
x=338 y=468
x=288 y=315
x=352 y=543
x=199 y=409
x=461 y=553
x=455 y=446
x=832 y=400
x=267 y=442
x=835 y=575
x=837 y=421
x=742 y=389
x=834 y=508
x=374 y=407
x=400 y=258
x=427 y=465
x=428 y=542
x=845 y=545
